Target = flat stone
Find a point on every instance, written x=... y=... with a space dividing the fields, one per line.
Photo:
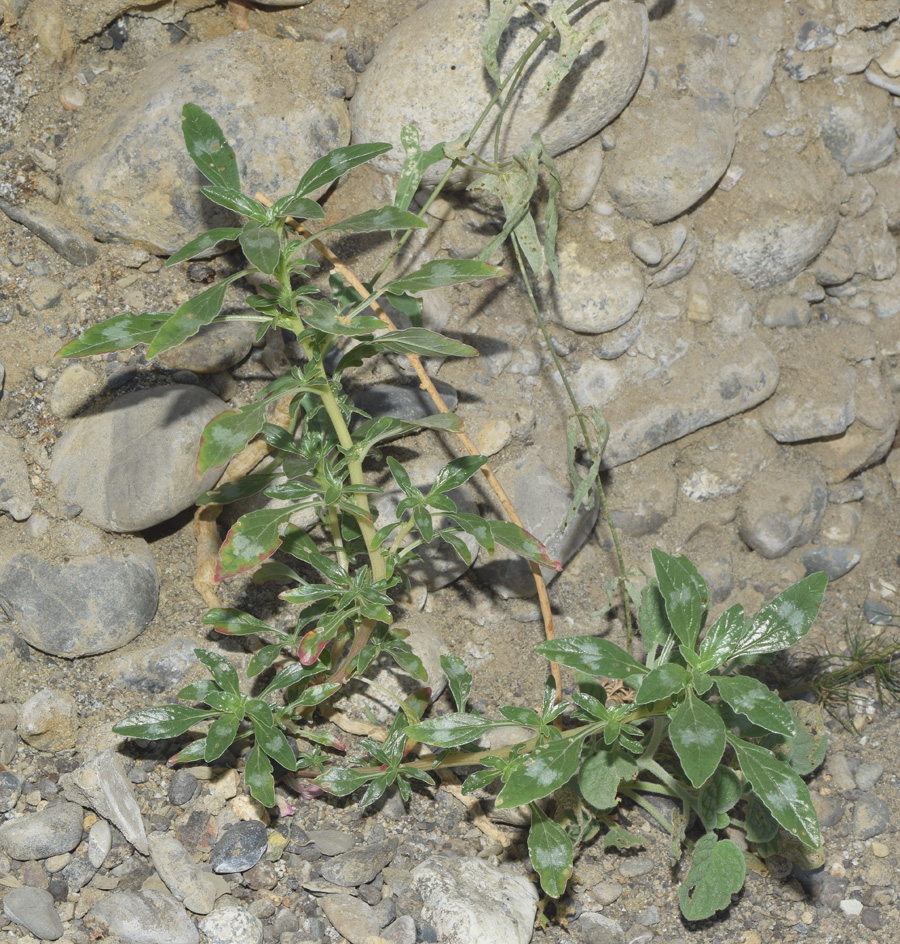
x=133 y=466
x=781 y=508
x=101 y=785
x=329 y=842
x=75 y=593
x=142 y=917
x=542 y=504
x=15 y=489
x=52 y=831
x=184 y=879
x=134 y=180
x=240 y=848
x=811 y=401
x=156 y=669
x=594 y=928
x=437 y=51
x=10 y=790
x=871 y=817
x=99 y=843
x=834 y=561
x=361 y=865
x=45 y=293
x=466 y=900
x=778 y=217
x=351 y=917
x=34 y=910
x=715 y=378
x=232 y=926
x=215 y=347
x=49 y=721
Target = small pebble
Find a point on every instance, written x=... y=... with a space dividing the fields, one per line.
x=851 y=906
x=871 y=817
x=240 y=848
x=880 y=850
x=40 y=373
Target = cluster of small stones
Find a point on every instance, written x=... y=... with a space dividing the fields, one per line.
x=729 y=298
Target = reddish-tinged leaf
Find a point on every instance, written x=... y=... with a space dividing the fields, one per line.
x=311 y=646
x=251 y=540
x=522 y=543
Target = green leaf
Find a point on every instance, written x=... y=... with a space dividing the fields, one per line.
x=698 y=735
x=661 y=682
x=717 y=872
x=116 y=334
x=208 y=148
x=759 y=823
x=263 y=659
x=220 y=736
x=718 y=795
x=551 y=852
x=300 y=208
x=456 y=472
x=203 y=242
x=401 y=653
x=597 y=657
x=760 y=704
x=316 y=694
x=198 y=691
x=685 y=593
x=233 y=622
x=164 y=721
x=342 y=782
x=252 y=539
x=618 y=838
x=655 y=625
x=571 y=41
x=258 y=777
x=541 y=772
x=272 y=741
x=191 y=317
x=443 y=272
x=187 y=755
x=601 y=774
x=262 y=247
x=292 y=674
x=453 y=730
x=414 y=166
x=221 y=670
x=786 y=619
x=519 y=541
x=424 y=343
x=780 y=789
x=336 y=163
x=806 y=750
x=379 y=220
x=226 y=435
x=500 y=13
x=722 y=638
x=235 y=200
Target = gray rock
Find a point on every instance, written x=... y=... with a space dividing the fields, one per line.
x=76 y=594
x=542 y=504
x=401 y=931
x=156 y=669
x=781 y=508
x=868 y=438
x=132 y=466
x=641 y=496
x=15 y=489
x=240 y=848
x=52 y=831
x=215 y=347
x=45 y=293
x=856 y=125
x=685 y=388
x=232 y=926
x=871 y=817
x=10 y=790
x=75 y=248
x=591 y=301
x=829 y=809
x=14 y=656
x=466 y=899
x=33 y=909
x=812 y=401
x=580 y=169
x=636 y=866
x=359 y=866
x=142 y=917
x=778 y=217
x=840 y=767
x=671 y=149
x=74 y=390
x=834 y=561
x=78 y=872
x=331 y=842
x=182 y=787
x=134 y=180
x=49 y=721
x=99 y=843
x=868 y=774
x=861 y=245
x=787 y=311
x=403 y=403
x=183 y=877
x=101 y=785
x=350 y=917
x=594 y=928
x=436 y=50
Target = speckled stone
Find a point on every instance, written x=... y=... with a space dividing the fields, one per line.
x=240 y=848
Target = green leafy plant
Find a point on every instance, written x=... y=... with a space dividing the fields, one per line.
x=692 y=727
